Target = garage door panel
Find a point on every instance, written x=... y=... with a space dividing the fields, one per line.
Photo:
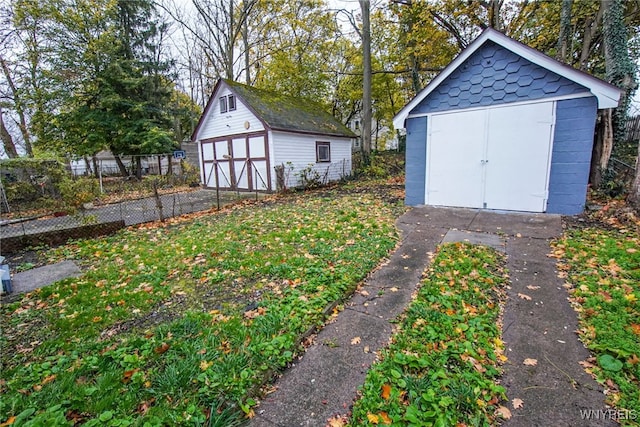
x=518 y=150
x=454 y=179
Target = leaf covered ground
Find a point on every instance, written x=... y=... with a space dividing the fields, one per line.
x=181 y=324
x=442 y=365
x=602 y=267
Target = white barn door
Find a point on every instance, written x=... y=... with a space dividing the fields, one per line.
x=454 y=172
x=519 y=146
x=496 y=158
x=237 y=162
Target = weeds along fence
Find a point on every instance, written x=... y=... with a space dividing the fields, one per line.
x=44 y=203
x=313 y=175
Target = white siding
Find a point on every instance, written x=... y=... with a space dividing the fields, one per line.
x=229 y=123
x=300 y=151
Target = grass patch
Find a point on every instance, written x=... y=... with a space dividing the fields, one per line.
x=603 y=268
x=181 y=325
x=442 y=365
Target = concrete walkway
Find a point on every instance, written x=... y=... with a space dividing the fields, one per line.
x=324 y=382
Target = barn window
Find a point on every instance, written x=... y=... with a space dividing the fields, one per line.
x=223 y=104
x=323 y=152
x=232 y=103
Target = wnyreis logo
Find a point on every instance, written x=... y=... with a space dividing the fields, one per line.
x=608 y=414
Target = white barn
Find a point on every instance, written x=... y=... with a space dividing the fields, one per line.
x=255 y=140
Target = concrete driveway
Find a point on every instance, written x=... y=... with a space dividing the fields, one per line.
x=325 y=380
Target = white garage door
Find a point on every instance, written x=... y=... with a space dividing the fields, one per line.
x=496 y=158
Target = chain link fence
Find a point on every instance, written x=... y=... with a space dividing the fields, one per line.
x=44 y=202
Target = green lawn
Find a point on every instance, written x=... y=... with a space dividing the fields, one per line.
x=181 y=325
x=603 y=269
x=443 y=363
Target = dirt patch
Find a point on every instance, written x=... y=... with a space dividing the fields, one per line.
x=25 y=260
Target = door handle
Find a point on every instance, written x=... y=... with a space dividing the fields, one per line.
x=484 y=161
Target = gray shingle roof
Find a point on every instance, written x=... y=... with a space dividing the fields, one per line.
x=283 y=112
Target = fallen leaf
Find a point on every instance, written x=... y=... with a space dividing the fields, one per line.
x=504 y=412
x=385 y=418
x=533 y=287
x=606 y=296
x=366 y=349
x=633 y=360
x=530 y=362
x=386 y=391
x=126 y=377
x=373 y=418
x=524 y=296
x=162 y=348
x=517 y=403
x=585 y=364
x=478 y=366
x=10 y=421
x=204 y=365
x=144 y=406
x=364 y=293
x=355 y=340
x=394 y=289
x=48 y=379
x=337 y=421
x=635 y=328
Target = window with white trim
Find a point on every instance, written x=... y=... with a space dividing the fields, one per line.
x=227 y=103
x=323 y=151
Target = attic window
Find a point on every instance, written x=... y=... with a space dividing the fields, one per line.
x=227 y=103
x=323 y=152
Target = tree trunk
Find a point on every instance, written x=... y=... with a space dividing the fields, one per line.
x=620 y=69
x=494 y=14
x=121 y=166
x=590 y=30
x=7 y=140
x=138 y=162
x=247 y=58
x=96 y=172
x=88 y=170
x=634 y=193
x=366 y=79
x=602 y=147
x=564 y=40
x=24 y=130
x=230 y=43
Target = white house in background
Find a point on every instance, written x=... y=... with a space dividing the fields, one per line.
x=255 y=140
x=106 y=162
x=382 y=137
